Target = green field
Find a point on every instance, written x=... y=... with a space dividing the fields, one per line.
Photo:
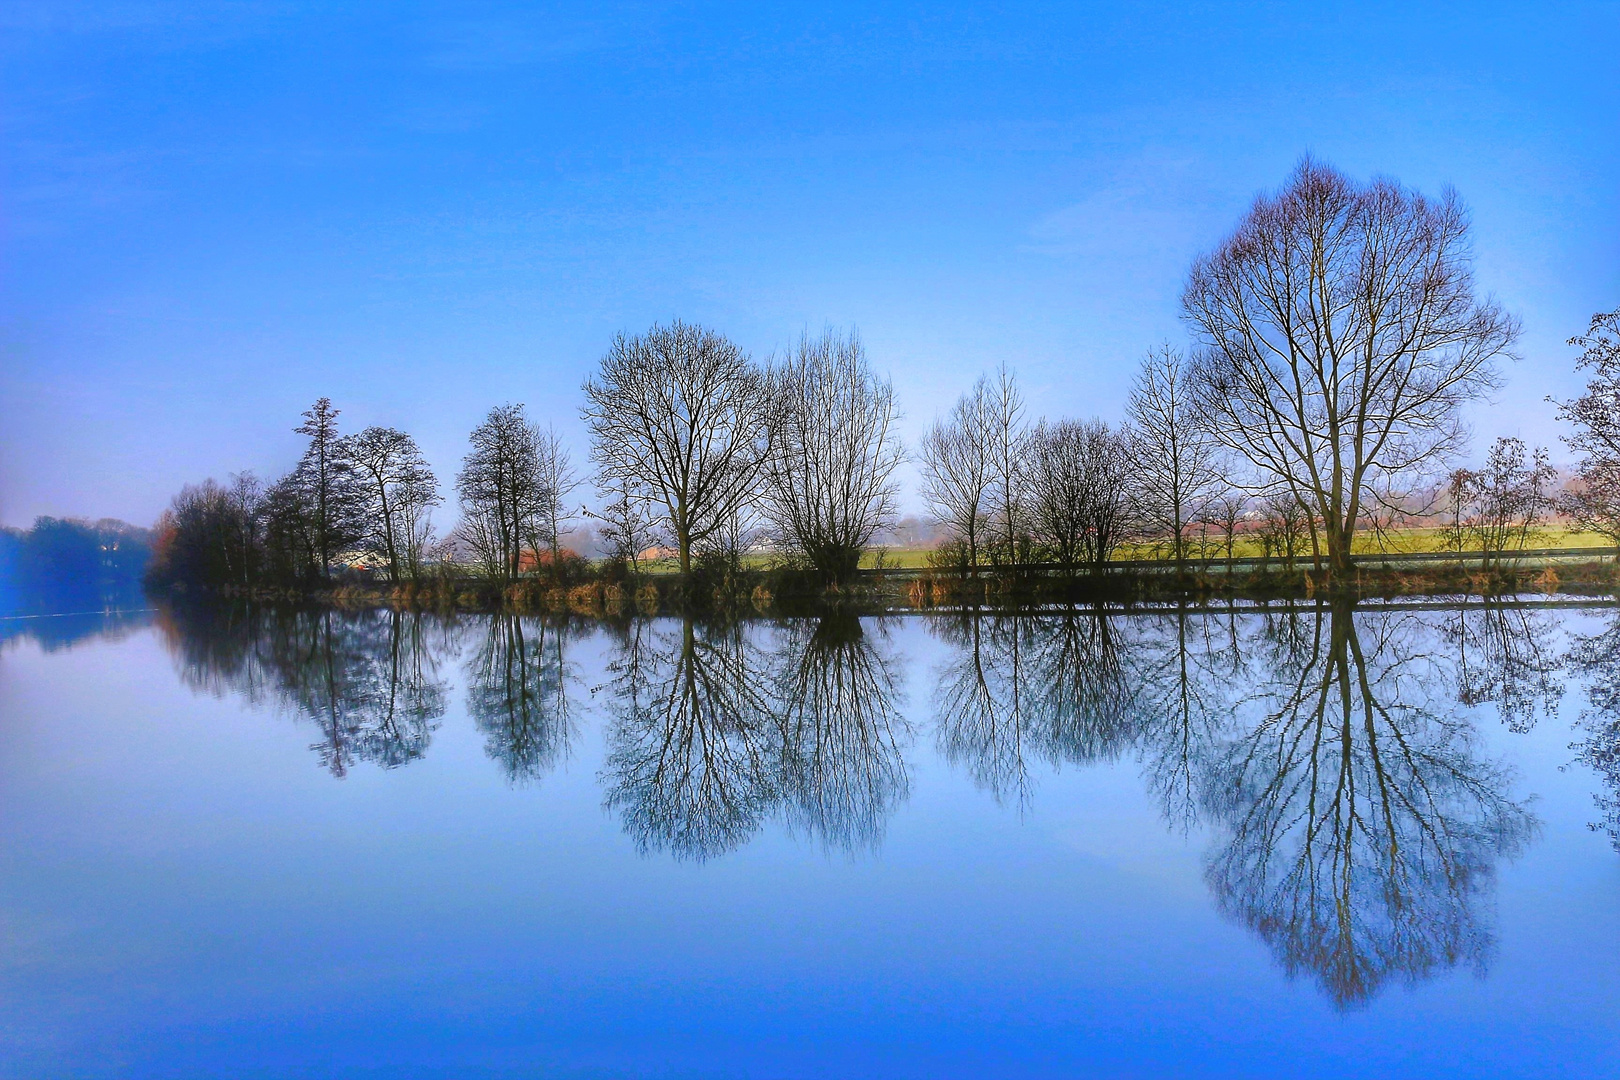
x=1398 y=541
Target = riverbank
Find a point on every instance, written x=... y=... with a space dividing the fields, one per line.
x=787 y=591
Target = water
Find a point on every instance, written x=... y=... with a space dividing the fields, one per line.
x=1306 y=842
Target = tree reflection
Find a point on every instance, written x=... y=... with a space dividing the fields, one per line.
x=718 y=726
x=1019 y=690
x=1191 y=665
x=979 y=720
x=517 y=694
x=691 y=763
x=842 y=737
x=51 y=633
x=1357 y=827
x=1354 y=823
x=1362 y=826
x=1505 y=654
x=1597 y=659
x=367 y=679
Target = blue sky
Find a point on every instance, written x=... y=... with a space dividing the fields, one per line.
x=211 y=214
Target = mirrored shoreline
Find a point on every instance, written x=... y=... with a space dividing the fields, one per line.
x=1330 y=753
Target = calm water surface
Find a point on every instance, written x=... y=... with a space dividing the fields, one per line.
x=1296 y=842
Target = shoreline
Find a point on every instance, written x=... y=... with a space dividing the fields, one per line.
x=787 y=592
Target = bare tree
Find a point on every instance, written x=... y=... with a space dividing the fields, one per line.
x=829 y=477
x=680 y=412
x=288 y=537
x=397 y=488
x=1080 y=484
x=1284 y=527
x=1177 y=467
x=211 y=534
x=1455 y=497
x=1226 y=512
x=1106 y=478
x=1059 y=505
x=1500 y=505
x=1006 y=442
x=1342 y=336
x=557 y=478
x=1595 y=501
x=627 y=527
x=504 y=500
x=956 y=473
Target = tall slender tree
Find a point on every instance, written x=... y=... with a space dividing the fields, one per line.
x=558 y=480
x=1177 y=472
x=956 y=471
x=324 y=484
x=504 y=498
x=1006 y=441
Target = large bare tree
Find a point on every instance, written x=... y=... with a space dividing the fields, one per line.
x=1176 y=464
x=1342 y=336
x=680 y=412
x=829 y=477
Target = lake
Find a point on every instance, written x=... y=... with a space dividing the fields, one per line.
x=1301 y=840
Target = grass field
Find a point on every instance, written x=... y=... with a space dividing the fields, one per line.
x=1402 y=541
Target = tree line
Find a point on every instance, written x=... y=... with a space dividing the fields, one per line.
x=66 y=565
x=1336 y=336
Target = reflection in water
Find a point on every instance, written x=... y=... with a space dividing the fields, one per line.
x=517 y=694
x=714 y=731
x=1191 y=665
x=842 y=747
x=1358 y=828
x=54 y=632
x=367 y=679
x=1598 y=659
x=692 y=764
x=1362 y=828
x=1505 y=654
x=1327 y=752
x=1019 y=689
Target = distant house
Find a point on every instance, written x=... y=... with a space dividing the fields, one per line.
x=654 y=553
x=529 y=560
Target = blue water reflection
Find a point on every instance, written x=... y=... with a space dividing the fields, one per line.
x=1303 y=840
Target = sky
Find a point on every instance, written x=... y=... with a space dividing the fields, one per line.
x=212 y=214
